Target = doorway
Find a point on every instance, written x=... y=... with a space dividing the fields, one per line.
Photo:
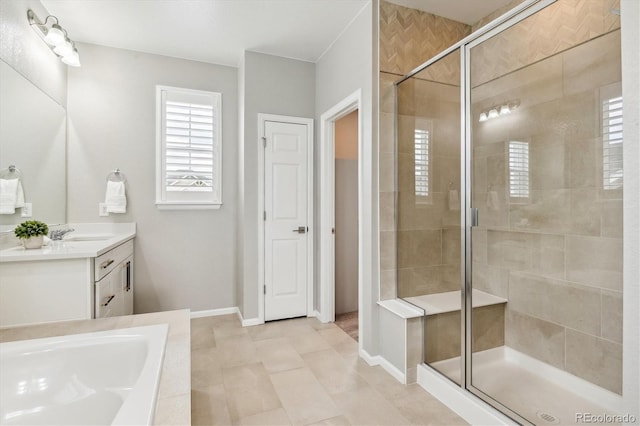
x=326 y=304
x=346 y=223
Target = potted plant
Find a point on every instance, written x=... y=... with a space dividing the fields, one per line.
x=31 y=233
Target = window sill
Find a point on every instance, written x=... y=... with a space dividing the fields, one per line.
x=188 y=206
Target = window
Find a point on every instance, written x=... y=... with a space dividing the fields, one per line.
x=612 y=143
x=421 y=142
x=518 y=169
x=189 y=149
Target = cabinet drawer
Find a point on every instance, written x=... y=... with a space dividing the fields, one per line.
x=106 y=262
x=108 y=295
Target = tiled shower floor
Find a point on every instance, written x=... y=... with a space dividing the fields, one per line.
x=533 y=397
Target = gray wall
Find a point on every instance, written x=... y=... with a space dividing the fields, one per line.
x=24 y=50
x=184 y=258
x=350 y=65
x=272 y=85
x=346 y=239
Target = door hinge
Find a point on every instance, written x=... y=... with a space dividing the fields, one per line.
x=264 y=289
x=264 y=215
x=264 y=142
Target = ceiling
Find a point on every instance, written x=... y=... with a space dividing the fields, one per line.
x=215 y=31
x=465 y=11
x=219 y=31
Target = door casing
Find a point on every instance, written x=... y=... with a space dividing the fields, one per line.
x=327 y=207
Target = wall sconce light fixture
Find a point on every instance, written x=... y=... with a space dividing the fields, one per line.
x=498 y=111
x=56 y=37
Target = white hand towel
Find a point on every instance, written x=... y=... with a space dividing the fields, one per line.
x=115 y=198
x=8 y=195
x=20 y=195
x=454 y=200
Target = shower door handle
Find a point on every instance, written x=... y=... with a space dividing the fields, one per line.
x=473 y=213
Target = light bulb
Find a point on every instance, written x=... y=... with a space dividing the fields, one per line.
x=72 y=59
x=483 y=117
x=493 y=113
x=55 y=35
x=504 y=110
x=64 y=49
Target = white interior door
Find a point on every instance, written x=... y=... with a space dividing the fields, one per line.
x=286 y=224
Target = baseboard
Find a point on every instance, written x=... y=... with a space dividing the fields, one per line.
x=465 y=404
x=371 y=360
x=214 y=312
x=386 y=365
x=250 y=321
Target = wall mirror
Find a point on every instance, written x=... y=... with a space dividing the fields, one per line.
x=33 y=138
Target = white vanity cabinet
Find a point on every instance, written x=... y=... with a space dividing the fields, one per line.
x=79 y=279
x=114 y=282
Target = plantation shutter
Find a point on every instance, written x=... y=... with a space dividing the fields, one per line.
x=612 y=143
x=190 y=144
x=421 y=153
x=519 y=169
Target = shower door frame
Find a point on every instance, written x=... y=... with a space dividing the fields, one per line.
x=467 y=327
x=519 y=13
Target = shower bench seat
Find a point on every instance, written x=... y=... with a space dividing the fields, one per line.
x=450 y=301
x=442 y=322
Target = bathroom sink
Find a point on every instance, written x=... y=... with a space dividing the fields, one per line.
x=88 y=237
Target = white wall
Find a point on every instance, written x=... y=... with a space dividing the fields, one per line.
x=349 y=65
x=631 y=199
x=272 y=85
x=184 y=258
x=24 y=50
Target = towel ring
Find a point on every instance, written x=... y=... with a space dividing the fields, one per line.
x=11 y=172
x=116 y=176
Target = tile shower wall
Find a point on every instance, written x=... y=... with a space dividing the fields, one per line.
x=408 y=38
x=428 y=225
x=556 y=255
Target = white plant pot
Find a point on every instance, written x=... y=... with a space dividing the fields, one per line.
x=33 y=242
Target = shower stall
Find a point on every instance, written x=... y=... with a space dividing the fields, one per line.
x=508 y=210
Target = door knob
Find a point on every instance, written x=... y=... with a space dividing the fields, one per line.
x=301 y=229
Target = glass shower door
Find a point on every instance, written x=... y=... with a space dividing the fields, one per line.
x=428 y=163
x=545 y=117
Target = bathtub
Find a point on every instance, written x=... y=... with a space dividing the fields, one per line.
x=102 y=378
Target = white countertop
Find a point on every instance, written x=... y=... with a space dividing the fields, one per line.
x=88 y=240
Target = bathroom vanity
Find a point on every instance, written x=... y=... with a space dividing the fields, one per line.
x=89 y=274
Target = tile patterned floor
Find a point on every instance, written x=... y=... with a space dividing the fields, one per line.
x=296 y=372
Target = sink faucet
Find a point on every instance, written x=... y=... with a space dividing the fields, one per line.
x=56 y=235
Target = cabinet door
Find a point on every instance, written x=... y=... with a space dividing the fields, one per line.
x=109 y=295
